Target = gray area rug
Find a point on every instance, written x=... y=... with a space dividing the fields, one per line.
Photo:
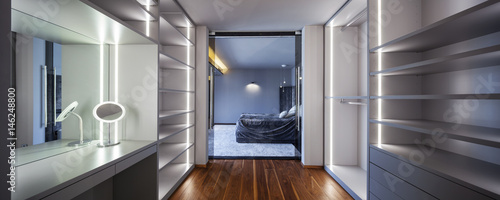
x=222 y=142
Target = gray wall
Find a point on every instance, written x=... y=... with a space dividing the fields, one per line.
x=202 y=96
x=312 y=108
x=234 y=95
x=30 y=58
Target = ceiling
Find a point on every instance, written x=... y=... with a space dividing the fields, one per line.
x=260 y=15
x=256 y=52
x=264 y=16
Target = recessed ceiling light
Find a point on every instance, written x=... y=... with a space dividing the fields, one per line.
x=283 y=65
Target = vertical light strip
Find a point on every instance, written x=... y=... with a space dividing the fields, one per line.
x=147 y=24
x=331 y=93
x=101 y=86
x=379 y=63
x=116 y=89
x=188 y=78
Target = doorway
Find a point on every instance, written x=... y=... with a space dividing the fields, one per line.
x=254 y=98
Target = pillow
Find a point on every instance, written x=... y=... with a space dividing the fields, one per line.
x=291 y=112
x=283 y=114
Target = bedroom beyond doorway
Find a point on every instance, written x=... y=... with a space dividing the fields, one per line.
x=254 y=95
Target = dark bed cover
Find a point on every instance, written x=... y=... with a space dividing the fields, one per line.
x=265 y=128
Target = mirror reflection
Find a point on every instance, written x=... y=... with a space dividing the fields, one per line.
x=109 y=112
x=54 y=67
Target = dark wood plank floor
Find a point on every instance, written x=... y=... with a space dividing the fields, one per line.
x=259 y=179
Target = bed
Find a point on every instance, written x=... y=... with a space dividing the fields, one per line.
x=265 y=128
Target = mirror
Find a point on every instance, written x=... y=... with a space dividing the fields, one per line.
x=65 y=113
x=54 y=67
x=109 y=112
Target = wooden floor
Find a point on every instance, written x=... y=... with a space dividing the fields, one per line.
x=259 y=179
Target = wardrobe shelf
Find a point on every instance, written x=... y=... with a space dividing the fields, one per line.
x=153 y=10
x=166 y=131
x=352 y=176
x=169 y=62
x=171 y=36
x=129 y=33
x=474 y=134
x=169 y=6
x=476 y=21
x=475 y=174
x=346 y=97
x=126 y=10
x=177 y=19
x=171 y=151
x=484 y=57
x=170 y=175
x=492 y=96
x=176 y=91
x=180 y=22
x=171 y=113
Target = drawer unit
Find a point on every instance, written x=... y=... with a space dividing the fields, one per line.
x=396 y=185
x=380 y=191
x=435 y=185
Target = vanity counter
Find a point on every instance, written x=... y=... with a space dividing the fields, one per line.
x=78 y=170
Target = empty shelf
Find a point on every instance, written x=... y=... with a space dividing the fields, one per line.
x=475 y=134
x=181 y=23
x=166 y=131
x=169 y=152
x=152 y=11
x=128 y=10
x=472 y=173
x=170 y=36
x=484 y=57
x=170 y=175
x=476 y=21
x=171 y=113
x=177 y=19
x=169 y=62
x=169 y=6
x=438 y=96
x=351 y=177
x=129 y=13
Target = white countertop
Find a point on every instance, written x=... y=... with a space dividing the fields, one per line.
x=43 y=177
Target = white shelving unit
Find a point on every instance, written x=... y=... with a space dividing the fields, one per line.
x=170 y=176
x=430 y=108
x=166 y=25
x=346 y=96
x=176 y=98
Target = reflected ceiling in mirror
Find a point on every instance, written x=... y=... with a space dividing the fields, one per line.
x=35 y=27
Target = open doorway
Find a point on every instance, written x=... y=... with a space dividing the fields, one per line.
x=254 y=96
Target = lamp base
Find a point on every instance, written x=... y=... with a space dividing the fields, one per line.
x=107 y=143
x=79 y=143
